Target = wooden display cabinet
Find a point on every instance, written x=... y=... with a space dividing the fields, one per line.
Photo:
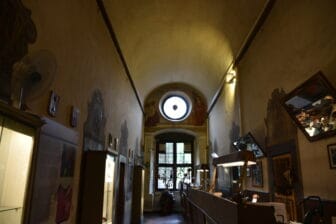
x=18 y=139
x=97 y=196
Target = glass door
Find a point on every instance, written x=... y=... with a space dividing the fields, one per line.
x=16 y=147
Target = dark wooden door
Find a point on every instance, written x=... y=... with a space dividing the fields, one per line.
x=120 y=207
x=137 y=194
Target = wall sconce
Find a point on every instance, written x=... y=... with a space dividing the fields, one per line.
x=231 y=76
x=214 y=155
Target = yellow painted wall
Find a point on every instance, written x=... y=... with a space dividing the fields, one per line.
x=75 y=33
x=297 y=40
x=224 y=128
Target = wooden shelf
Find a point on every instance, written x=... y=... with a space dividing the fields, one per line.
x=8 y=208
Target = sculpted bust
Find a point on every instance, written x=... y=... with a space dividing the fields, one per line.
x=17 y=31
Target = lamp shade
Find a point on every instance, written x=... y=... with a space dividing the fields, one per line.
x=202 y=167
x=235 y=159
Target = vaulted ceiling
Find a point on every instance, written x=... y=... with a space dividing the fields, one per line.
x=189 y=41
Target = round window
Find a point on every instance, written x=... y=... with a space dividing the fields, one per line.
x=175 y=107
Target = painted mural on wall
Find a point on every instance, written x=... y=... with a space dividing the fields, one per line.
x=53 y=187
x=129 y=187
x=17 y=31
x=224 y=174
x=94 y=126
x=123 y=145
x=138 y=153
x=64 y=190
x=199 y=109
x=129 y=167
x=279 y=126
x=153 y=116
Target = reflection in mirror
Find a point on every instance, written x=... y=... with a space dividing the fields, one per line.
x=312 y=105
x=248 y=142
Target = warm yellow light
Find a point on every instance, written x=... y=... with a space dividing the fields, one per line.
x=230 y=88
x=202 y=170
x=231 y=76
x=255 y=198
x=238 y=163
x=142 y=190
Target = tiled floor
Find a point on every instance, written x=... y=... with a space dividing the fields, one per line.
x=155 y=218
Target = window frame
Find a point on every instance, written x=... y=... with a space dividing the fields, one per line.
x=174 y=165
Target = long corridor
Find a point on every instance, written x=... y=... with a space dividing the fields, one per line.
x=156 y=218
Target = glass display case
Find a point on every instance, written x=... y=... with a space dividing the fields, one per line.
x=17 y=137
x=108 y=189
x=97 y=195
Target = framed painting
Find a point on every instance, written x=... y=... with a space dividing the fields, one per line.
x=312 y=106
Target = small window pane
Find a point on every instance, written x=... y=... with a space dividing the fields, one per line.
x=166 y=153
x=180 y=147
x=162 y=148
x=187 y=147
x=182 y=176
x=183 y=158
x=166 y=158
x=170 y=159
x=187 y=158
x=165 y=178
x=169 y=147
x=179 y=158
x=166 y=147
x=162 y=158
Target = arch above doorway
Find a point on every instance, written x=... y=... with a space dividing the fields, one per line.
x=195 y=112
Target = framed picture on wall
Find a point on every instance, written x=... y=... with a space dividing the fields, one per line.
x=312 y=106
x=257 y=175
x=249 y=142
x=332 y=155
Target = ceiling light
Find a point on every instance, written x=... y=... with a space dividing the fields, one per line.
x=214 y=155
